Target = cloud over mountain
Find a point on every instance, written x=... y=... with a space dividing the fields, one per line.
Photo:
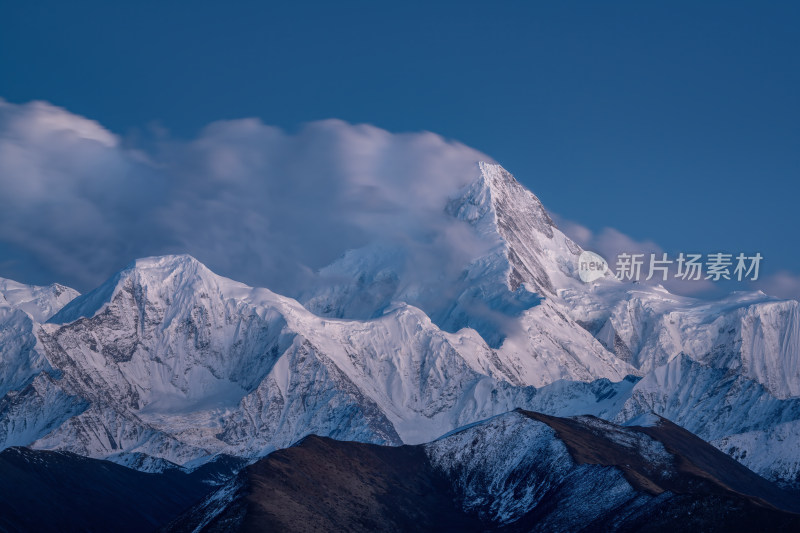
x=251 y=200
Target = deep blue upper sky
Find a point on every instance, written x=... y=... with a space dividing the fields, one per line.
x=675 y=122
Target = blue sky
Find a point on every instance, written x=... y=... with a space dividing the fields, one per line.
x=676 y=123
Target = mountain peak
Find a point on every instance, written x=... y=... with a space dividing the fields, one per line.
x=40 y=302
x=515 y=257
x=537 y=253
x=497 y=177
x=505 y=189
x=171 y=260
x=182 y=267
x=165 y=276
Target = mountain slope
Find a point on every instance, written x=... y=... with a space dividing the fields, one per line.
x=22 y=307
x=520 y=471
x=736 y=414
x=58 y=491
x=751 y=333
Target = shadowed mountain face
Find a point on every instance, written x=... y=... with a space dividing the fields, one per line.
x=61 y=491
x=695 y=465
x=522 y=471
x=327 y=485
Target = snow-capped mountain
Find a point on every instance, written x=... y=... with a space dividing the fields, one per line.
x=169 y=362
x=172 y=361
x=751 y=333
x=21 y=308
x=39 y=302
x=726 y=370
x=507 y=293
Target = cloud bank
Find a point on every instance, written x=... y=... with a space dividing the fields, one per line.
x=783 y=284
x=251 y=201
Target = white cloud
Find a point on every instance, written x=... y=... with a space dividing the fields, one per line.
x=41 y=123
x=783 y=284
x=250 y=200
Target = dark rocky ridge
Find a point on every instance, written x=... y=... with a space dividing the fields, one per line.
x=326 y=485
x=59 y=491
